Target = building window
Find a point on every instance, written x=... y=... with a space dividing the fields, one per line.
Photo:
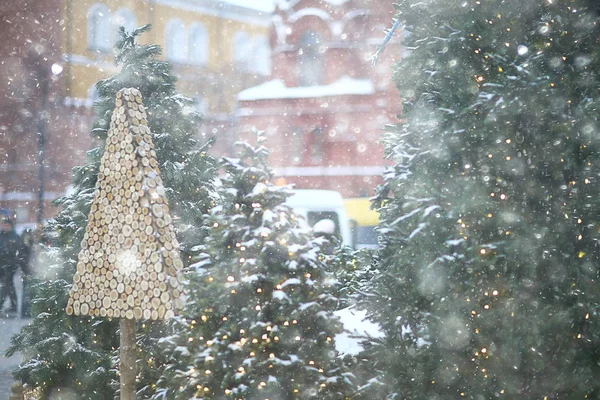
x=98 y=28
x=198 y=45
x=241 y=51
x=125 y=18
x=297 y=146
x=262 y=56
x=316 y=148
x=310 y=68
x=176 y=41
x=92 y=96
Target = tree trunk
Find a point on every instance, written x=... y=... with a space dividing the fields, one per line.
x=127 y=367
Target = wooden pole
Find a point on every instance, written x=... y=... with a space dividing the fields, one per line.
x=127 y=366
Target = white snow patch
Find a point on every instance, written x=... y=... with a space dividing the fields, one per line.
x=291 y=281
x=454 y=242
x=276 y=89
x=356 y=329
x=429 y=209
x=281 y=296
x=266 y=6
x=417 y=230
x=304 y=306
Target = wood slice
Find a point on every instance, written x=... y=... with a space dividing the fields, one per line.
x=178 y=264
x=178 y=304
x=164 y=296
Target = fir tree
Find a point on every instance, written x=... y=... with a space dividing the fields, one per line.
x=258 y=322
x=74 y=353
x=487 y=281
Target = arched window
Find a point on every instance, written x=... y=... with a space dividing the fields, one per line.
x=262 y=56
x=241 y=50
x=310 y=68
x=125 y=18
x=176 y=41
x=198 y=45
x=98 y=28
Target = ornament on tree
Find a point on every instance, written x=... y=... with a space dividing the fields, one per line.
x=129 y=264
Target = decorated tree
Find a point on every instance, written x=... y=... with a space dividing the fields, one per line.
x=258 y=321
x=487 y=282
x=74 y=354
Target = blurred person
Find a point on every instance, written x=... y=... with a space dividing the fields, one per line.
x=11 y=253
x=30 y=239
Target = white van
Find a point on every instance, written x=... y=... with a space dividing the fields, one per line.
x=315 y=205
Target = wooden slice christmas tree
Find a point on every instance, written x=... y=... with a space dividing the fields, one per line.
x=129 y=264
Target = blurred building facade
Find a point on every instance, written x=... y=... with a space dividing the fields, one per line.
x=326 y=106
x=54 y=51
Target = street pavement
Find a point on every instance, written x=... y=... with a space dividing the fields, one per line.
x=8 y=328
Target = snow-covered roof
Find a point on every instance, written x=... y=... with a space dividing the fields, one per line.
x=260 y=5
x=276 y=89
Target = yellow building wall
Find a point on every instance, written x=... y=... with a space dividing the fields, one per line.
x=89 y=66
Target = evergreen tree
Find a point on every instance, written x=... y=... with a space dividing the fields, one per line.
x=258 y=322
x=74 y=353
x=487 y=281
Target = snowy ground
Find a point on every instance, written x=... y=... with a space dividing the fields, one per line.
x=9 y=327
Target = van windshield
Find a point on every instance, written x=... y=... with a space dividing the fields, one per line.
x=315 y=216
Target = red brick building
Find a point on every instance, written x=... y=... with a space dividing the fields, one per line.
x=327 y=104
x=30 y=103
x=54 y=51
